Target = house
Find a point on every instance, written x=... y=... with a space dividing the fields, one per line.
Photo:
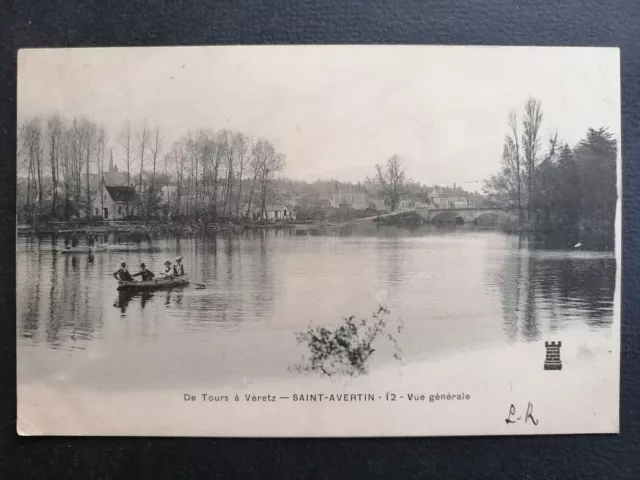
x=438 y=199
x=307 y=200
x=355 y=200
x=273 y=212
x=115 y=202
x=411 y=204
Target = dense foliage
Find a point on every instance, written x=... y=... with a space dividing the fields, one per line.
x=568 y=192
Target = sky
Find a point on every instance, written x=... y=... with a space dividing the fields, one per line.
x=334 y=111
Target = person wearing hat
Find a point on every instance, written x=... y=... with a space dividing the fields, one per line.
x=178 y=268
x=167 y=268
x=123 y=274
x=145 y=273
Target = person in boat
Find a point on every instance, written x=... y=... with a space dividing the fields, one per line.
x=74 y=240
x=91 y=239
x=167 y=269
x=145 y=273
x=123 y=274
x=178 y=268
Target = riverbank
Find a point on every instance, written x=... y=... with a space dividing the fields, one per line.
x=182 y=228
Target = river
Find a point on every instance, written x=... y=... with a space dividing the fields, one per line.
x=455 y=290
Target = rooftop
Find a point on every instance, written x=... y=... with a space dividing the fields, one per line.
x=122 y=193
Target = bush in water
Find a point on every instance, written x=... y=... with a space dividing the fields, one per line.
x=346 y=350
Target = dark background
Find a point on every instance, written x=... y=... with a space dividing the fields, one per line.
x=56 y=23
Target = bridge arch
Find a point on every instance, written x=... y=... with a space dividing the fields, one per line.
x=449 y=218
x=489 y=218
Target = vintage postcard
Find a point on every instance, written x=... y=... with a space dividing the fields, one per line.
x=318 y=241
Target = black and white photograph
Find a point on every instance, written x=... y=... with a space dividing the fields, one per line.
x=318 y=241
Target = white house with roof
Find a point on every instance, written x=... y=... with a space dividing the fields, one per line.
x=277 y=212
x=115 y=202
x=355 y=200
x=439 y=199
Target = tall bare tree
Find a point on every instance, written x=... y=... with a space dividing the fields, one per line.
x=179 y=158
x=66 y=170
x=531 y=145
x=262 y=151
x=392 y=176
x=54 y=132
x=31 y=147
x=89 y=147
x=154 y=148
x=273 y=163
x=242 y=144
x=101 y=146
x=511 y=155
x=126 y=141
x=142 y=138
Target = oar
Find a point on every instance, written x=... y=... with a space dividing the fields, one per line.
x=200 y=285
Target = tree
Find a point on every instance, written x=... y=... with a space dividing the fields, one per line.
x=271 y=165
x=54 y=132
x=143 y=139
x=126 y=141
x=179 y=158
x=566 y=193
x=530 y=145
x=102 y=140
x=392 y=177
x=242 y=144
x=511 y=156
x=155 y=148
x=262 y=150
x=31 y=146
x=596 y=157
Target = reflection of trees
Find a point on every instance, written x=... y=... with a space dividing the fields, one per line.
x=558 y=289
x=55 y=297
x=509 y=280
x=30 y=317
x=584 y=284
x=531 y=328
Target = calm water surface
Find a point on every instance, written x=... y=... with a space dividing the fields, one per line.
x=454 y=290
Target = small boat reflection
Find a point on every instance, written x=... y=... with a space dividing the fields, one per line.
x=125 y=297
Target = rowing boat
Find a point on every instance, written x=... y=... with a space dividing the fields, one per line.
x=155 y=284
x=83 y=249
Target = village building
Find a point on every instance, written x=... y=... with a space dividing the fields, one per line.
x=307 y=200
x=355 y=200
x=439 y=199
x=411 y=204
x=276 y=212
x=115 y=202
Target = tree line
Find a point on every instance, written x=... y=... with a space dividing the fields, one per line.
x=207 y=174
x=561 y=189
x=223 y=174
x=57 y=156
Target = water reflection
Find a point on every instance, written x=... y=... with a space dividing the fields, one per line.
x=453 y=290
x=544 y=289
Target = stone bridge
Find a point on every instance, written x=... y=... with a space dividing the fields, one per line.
x=460 y=215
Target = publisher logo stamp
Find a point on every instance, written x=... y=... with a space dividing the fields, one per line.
x=552 y=360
